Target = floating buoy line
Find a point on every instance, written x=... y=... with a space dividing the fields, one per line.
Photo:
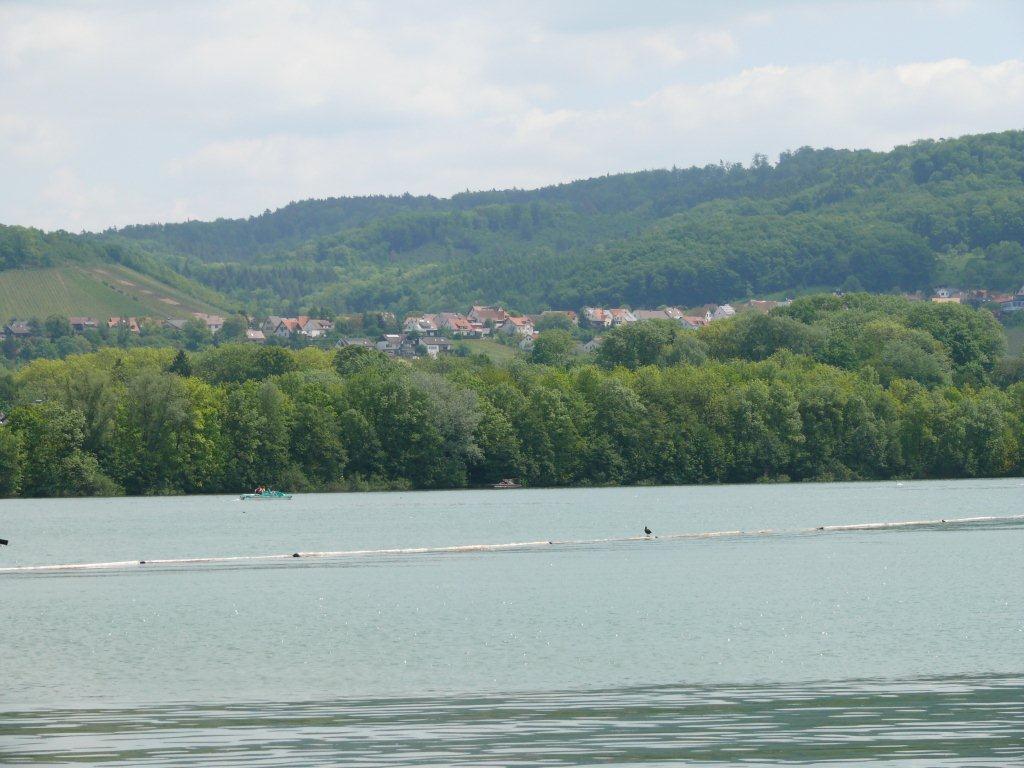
x=508 y=547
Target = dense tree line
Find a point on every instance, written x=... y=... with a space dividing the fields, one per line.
x=858 y=387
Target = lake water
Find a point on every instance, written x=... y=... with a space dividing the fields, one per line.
x=902 y=646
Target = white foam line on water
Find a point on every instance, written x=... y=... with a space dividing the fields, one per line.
x=510 y=546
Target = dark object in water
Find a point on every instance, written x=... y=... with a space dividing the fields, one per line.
x=4 y=542
x=820 y=528
x=647 y=530
x=295 y=554
x=142 y=562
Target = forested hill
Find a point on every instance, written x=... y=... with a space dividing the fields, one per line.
x=934 y=211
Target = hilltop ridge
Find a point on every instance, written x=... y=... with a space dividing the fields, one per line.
x=933 y=212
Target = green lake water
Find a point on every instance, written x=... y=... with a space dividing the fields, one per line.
x=902 y=646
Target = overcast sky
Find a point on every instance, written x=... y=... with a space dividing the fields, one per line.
x=122 y=112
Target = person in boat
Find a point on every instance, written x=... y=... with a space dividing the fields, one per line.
x=259 y=490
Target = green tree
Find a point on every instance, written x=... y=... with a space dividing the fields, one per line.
x=552 y=347
x=10 y=462
x=57 y=326
x=233 y=329
x=159 y=442
x=317 y=443
x=651 y=342
x=180 y=364
x=196 y=334
x=351 y=360
x=552 y=321
x=56 y=465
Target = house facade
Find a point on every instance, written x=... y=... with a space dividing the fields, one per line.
x=83 y=324
x=458 y=325
x=131 y=323
x=434 y=345
x=315 y=327
x=349 y=341
x=1015 y=304
x=518 y=326
x=420 y=324
x=483 y=315
x=720 y=312
x=213 y=322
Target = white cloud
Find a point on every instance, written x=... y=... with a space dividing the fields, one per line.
x=839 y=103
x=27 y=34
x=32 y=141
x=124 y=112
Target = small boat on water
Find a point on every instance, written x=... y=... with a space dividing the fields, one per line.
x=507 y=483
x=265 y=495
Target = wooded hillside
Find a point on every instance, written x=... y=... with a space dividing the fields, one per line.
x=933 y=212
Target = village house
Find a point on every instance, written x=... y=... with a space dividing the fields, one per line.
x=592 y=345
x=621 y=316
x=271 y=324
x=519 y=326
x=213 y=322
x=979 y=297
x=434 y=345
x=420 y=324
x=288 y=326
x=998 y=298
x=175 y=323
x=459 y=325
x=409 y=348
x=315 y=327
x=255 y=335
x=131 y=323
x=283 y=327
x=947 y=296
x=350 y=341
x=484 y=315
x=391 y=344
x=1015 y=304
x=83 y=324
x=18 y=328
x=690 y=322
x=720 y=312
x=597 y=317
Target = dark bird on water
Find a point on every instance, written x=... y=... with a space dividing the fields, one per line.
x=647 y=530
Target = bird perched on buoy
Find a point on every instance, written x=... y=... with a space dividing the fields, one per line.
x=647 y=530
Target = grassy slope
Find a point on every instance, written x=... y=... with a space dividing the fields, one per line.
x=94 y=290
x=498 y=353
x=1015 y=340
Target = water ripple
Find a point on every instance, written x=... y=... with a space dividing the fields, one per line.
x=961 y=721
